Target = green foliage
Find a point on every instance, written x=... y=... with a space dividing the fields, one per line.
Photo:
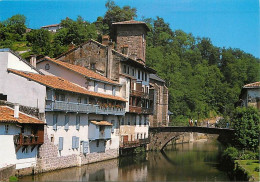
x=40 y=41
x=202 y=79
x=228 y=157
x=116 y=14
x=13 y=178
x=257 y=169
x=246 y=122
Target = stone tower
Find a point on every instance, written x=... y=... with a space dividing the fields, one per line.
x=130 y=38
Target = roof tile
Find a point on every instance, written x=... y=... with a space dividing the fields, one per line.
x=7 y=116
x=62 y=84
x=82 y=70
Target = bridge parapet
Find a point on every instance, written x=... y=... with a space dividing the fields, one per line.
x=161 y=136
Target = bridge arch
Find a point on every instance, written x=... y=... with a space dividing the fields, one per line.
x=161 y=136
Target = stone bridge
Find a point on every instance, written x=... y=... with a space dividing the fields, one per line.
x=161 y=136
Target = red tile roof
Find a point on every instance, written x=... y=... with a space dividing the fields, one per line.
x=82 y=70
x=252 y=85
x=131 y=22
x=62 y=84
x=53 y=25
x=7 y=116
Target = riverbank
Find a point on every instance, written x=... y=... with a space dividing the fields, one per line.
x=248 y=169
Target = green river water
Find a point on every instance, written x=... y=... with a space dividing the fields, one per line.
x=184 y=162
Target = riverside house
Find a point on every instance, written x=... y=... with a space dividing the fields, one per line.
x=80 y=124
x=124 y=64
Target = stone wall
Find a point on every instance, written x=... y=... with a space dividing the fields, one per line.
x=133 y=37
x=6 y=172
x=49 y=159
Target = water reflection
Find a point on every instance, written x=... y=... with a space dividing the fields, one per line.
x=187 y=162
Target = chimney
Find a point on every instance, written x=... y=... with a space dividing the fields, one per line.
x=33 y=60
x=16 y=110
x=105 y=39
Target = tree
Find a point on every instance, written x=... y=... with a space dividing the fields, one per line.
x=246 y=123
x=16 y=25
x=40 y=41
x=116 y=14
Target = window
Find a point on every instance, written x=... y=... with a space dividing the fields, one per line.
x=105 y=87
x=66 y=124
x=125 y=50
x=85 y=100
x=60 y=143
x=133 y=72
x=77 y=122
x=85 y=147
x=79 y=99
x=96 y=86
x=6 y=128
x=124 y=69
x=114 y=90
x=75 y=142
x=59 y=97
x=122 y=121
x=147 y=89
x=142 y=75
x=97 y=143
x=93 y=66
x=145 y=78
x=113 y=125
x=47 y=66
x=55 y=119
x=128 y=69
x=139 y=74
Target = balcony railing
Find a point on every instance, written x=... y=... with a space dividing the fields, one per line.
x=137 y=93
x=135 y=109
x=136 y=143
x=147 y=110
x=27 y=140
x=82 y=108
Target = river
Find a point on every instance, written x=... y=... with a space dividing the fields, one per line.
x=183 y=162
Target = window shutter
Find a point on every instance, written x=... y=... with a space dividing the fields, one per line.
x=60 y=143
x=66 y=126
x=55 y=118
x=85 y=147
x=77 y=122
x=114 y=90
x=73 y=142
x=77 y=143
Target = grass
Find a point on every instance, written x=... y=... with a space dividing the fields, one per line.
x=250 y=166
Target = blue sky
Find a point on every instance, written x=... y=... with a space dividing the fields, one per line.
x=228 y=23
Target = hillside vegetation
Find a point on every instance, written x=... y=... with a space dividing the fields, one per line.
x=203 y=80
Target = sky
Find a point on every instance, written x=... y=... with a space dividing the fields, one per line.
x=228 y=23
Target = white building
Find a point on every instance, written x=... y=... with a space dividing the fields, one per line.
x=52 y=28
x=250 y=95
x=20 y=137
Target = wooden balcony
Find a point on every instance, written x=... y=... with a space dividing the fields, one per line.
x=27 y=140
x=134 y=144
x=147 y=111
x=82 y=108
x=135 y=109
x=136 y=93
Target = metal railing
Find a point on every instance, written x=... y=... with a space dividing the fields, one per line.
x=83 y=108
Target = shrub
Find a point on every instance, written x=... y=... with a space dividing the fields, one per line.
x=257 y=169
x=228 y=157
x=13 y=178
x=248 y=155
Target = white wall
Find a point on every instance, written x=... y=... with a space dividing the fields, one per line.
x=82 y=133
x=125 y=90
x=18 y=88
x=15 y=63
x=75 y=77
x=8 y=155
